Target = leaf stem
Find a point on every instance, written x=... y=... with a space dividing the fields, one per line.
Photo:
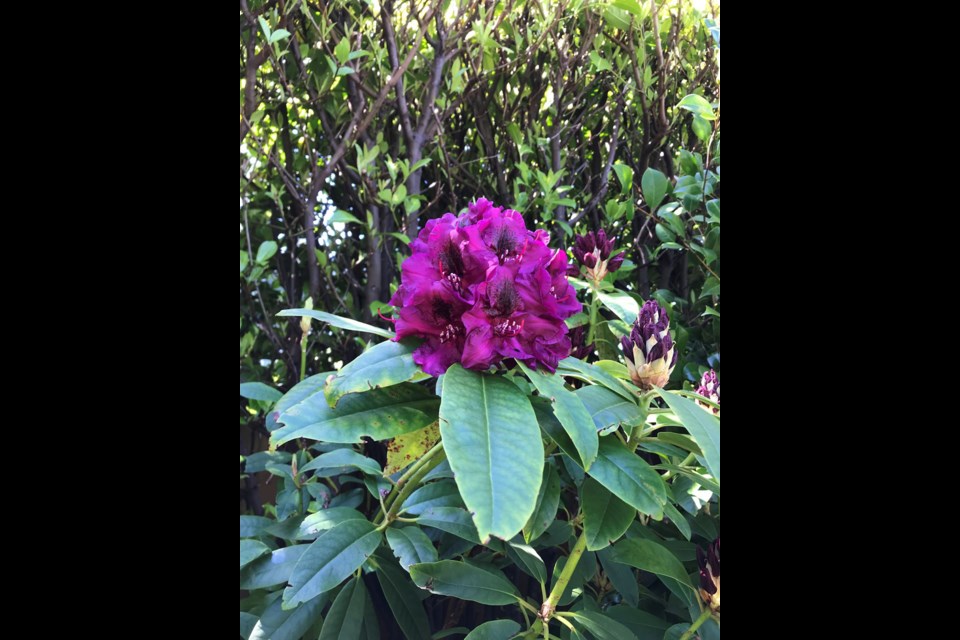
x=550 y=605
x=696 y=625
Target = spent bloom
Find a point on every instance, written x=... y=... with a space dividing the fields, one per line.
x=578 y=340
x=710 y=388
x=710 y=575
x=593 y=250
x=479 y=288
x=649 y=350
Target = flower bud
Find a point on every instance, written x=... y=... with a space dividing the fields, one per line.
x=710 y=575
x=710 y=388
x=650 y=352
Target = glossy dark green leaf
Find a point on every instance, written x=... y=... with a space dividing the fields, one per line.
x=630 y=478
x=605 y=516
x=379 y=414
x=452 y=520
x=464 y=581
x=345 y=619
x=411 y=546
x=702 y=425
x=654 y=186
x=272 y=569
x=337 y=321
x=250 y=550
x=259 y=391
x=595 y=375
x=552 y=427
x=495 y=630
x=622 y=577
x=643 y=624
x=622 y=304
x=303 y=389
x=526 y=557
x=677 y=519
x=571 y=413
x=253 y=526
x=548 y=500
x=339 y=461
x=404 y=601
x=607 y=409
x=324 y=520
x=278 y=624
x=657 y=559
x=494 y=447
x=383 y=365
x=247 y=620
x=332 y=557
x=601 y=626
x=435 y=494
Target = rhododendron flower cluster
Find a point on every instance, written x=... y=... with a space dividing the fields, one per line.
x=649 y=350
x=480 y=288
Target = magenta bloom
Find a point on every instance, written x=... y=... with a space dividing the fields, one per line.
x=479 y=288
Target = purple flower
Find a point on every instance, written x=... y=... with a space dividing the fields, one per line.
x=649 y=350
x=480 y=288
x=710 y=388
x=593 y=250
x=709 y=563
x=579 y=348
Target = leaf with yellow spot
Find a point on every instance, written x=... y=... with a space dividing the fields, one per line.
x=407 y=448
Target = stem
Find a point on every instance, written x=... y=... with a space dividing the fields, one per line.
x=303 y=357
x=550 y=605
x=696 y=625
x=534 y=631
x=409 y=482
x=690 y=457
x=594 y=308
x=633 y=437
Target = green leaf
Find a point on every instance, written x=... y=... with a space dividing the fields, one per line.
x=380 y=414
x=464 y=581
x=452 y=520
x=625 y=176
x=495 y=630
x=273 y=569
x=411 y=546
x=435 y=494
x=548 y=500
x=324 y=520
x=599 y=63
x=253 y=526
x=331 y=558
x=655 y=558
x=654 y=186
x=300 y=391
x=345 y=619
x=250 y=550
x=605 y=516
x=607 y=409
x=702 y=425
x=278 y=35
x=492 y=440
x=259 y=391
x=337 y=321
x=622 y=577
x=581 y=370
x=247 y=622
x=701 y=128
x=601 y=626
x=525 y=557
x=266 y=251
x=244 y=260
x=630 y=478
x=629 y=5
x=342 y=216
x=279 y=624
x=645 y=625
x=622 y=304
x=698 y=105
x=404 y=601
x=383 y=365
x=265 y=26
x=332 y=463
x=342 y=50
x=571 y=413
x=677 y=519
